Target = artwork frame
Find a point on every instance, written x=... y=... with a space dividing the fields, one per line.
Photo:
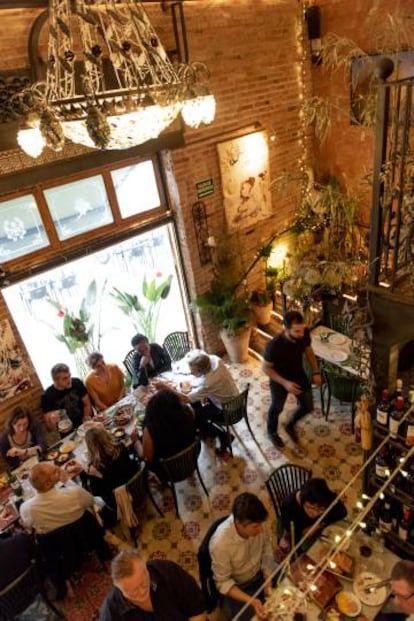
x=244 y=168
x=15 y=368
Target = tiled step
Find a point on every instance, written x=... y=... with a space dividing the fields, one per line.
x=261 y=335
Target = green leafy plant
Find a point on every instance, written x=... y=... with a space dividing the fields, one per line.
x=144 y=312
x=226 y=308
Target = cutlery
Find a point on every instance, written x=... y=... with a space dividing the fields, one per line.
x=376 y=585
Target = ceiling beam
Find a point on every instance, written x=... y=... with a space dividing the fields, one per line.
x=41 y=4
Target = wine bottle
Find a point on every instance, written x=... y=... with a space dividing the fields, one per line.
x=409 y=423
x=385 y=518
x=383 y=409
x=395 y=417
x=381 y=463
x=405 y=524
x=15 y=484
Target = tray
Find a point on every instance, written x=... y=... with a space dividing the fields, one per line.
x=345 y=563
x=327 y=584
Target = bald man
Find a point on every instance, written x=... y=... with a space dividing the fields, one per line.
x=53 y=506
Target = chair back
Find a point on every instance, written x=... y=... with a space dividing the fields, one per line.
x=181 y=465
x=236 y=409
x=285 y=480
x=19 y=594
x=208 y=584
x=177 y=345
x=128 y=362
x=137 y=488
x=343 y=387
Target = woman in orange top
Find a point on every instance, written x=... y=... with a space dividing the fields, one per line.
x=105 y=382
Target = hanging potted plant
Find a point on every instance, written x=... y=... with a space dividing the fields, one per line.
x=230 y=311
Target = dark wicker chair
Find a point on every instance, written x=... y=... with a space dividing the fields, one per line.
x=177 y=345
x=211 y=594
x=128 y=362
x=233 y=412
x=180 y=466
x=285 y=480
x=17 y=596
x=343 y=387
x=139 y=488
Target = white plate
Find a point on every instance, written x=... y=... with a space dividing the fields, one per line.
x=335 y=534
x=337 y=356
x=337 y=339
x=348 y=604
x=361 y=582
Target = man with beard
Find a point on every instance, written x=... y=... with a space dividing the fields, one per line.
x=283 y=364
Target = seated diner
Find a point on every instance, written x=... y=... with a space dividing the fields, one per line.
x=22 y=437
x=104 y=382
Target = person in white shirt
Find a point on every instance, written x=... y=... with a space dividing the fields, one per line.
x=242 y=556
x=402 y=587
x=52 y=506
x=214 y=387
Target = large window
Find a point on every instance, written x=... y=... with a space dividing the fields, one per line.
x=93 y=283
x=21 y=228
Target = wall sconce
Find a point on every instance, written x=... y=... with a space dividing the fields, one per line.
x=313 y=20
x=205 y=241
x=277 y=258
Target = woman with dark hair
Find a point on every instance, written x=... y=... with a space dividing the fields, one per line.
x=22 y=437
x=104 y=382
x=110 y=464
x=169 y=427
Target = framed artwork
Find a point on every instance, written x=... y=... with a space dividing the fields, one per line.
x=244 y=168
x=14 y=367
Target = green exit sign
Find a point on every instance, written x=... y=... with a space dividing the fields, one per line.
x=205 y=187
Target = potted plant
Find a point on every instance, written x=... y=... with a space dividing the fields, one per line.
x=262 y=305
x=230 y=311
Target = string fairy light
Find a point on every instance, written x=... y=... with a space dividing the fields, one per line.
x=340 y=542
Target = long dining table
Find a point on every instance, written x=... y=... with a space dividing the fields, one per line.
x=134 y=402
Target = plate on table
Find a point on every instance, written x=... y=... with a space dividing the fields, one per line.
x=327 y=585
x=373 y=598
x=348 y=604
x=62 y=458
x=284 y=603
x=72 y=467
x=337 y=339
x=118 y=432
x=67 y=447
x=8 y=515
x=338 y=356
x=335 y=534
x=332 y=613
x=52 y=455
x=344 y=563
x=123 y=415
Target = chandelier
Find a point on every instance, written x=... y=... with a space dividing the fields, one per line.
x=109 y=82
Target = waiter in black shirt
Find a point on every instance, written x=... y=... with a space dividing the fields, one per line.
x=283 y=364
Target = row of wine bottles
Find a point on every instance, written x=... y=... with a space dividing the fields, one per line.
x=392 y=409
x=385 y=463
x=393 y=517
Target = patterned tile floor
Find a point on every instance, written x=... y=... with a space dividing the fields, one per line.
x=329 y=450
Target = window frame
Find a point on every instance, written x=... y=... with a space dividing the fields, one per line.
x=61 y=250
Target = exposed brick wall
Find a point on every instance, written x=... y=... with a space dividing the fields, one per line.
x=349 y=150
x=250 y=47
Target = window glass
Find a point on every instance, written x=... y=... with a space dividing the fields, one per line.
x=136 y=188
x=79 y=206
x=21 y=228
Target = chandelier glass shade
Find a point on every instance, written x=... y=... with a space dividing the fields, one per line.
x=109 y=81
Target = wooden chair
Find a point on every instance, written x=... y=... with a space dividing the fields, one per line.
x=343 y=387
x=138 y=487
x=180 y=466
x=233 y=412
x=17 y=596
x=128 y=362
x=177 y=345
x=285 y=480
